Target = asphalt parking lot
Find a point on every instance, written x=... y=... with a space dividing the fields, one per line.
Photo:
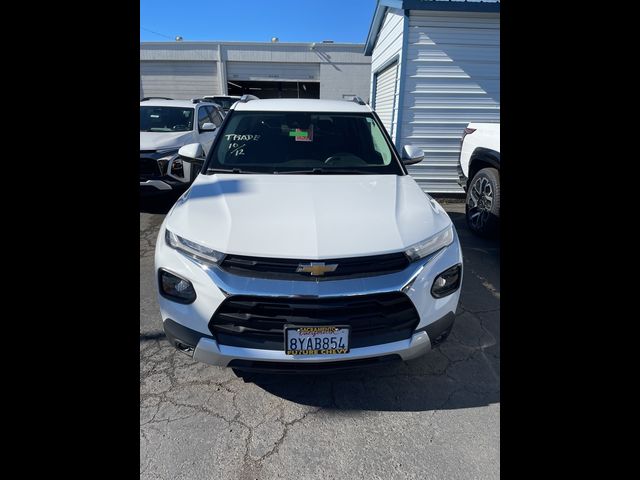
x=437 y=417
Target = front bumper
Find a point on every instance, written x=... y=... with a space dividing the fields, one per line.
x=154 y=171
x=204 y=348
x=187 y=325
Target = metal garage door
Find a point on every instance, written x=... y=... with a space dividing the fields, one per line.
x=179 y=79
x=295 y=72
x=452 y=78
x=385 y=99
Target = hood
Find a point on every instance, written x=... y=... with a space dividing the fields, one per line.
x=306 y=216
x=161 y=140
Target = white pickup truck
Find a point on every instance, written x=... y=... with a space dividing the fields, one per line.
x=479 y=173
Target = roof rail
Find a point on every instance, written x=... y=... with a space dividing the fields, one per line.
x=155 y=98
x=247 y=98
x=358 y=100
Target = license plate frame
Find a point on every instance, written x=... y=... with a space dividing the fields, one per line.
x=318 y=328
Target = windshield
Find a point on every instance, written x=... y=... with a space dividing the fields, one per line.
x=166 y=119
x=302 y=142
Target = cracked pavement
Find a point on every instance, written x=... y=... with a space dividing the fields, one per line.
x=436 y=417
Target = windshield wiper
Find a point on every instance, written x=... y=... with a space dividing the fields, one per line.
x=323 y=171
x=231 y=170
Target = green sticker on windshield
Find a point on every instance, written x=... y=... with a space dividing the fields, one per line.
x=298 y=133
x=302 y=135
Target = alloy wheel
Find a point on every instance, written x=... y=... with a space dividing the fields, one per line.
x=479 y=202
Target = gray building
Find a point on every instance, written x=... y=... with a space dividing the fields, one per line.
x=184 y=70
x=435 y=66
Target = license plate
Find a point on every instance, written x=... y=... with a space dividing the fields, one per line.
x=332 y=340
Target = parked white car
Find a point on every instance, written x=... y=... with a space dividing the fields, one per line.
x=479 y=173
x=304 y=244
x=165 y=126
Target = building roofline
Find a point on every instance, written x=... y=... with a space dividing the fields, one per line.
x=286 y=44
x=439 y=5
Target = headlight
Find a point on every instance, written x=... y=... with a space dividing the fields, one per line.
x=175 y=288
x=192 y=249
x=430 y=245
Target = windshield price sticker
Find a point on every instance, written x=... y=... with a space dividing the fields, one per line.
x=302 y=135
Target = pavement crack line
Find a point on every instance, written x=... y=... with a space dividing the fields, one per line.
x=487 y=285
x=287 y=426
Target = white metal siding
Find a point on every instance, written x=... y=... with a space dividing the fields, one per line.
x=388 y=46
x=452 y=78
x=296 y=72
x=178 y=79
x=386 y=94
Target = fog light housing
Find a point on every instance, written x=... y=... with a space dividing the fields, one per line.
x=175 y=288
x=176 y=168
x=447 y=282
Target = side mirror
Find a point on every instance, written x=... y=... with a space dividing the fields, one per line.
x=208 y=127
x=412 y=154
x=193 y=151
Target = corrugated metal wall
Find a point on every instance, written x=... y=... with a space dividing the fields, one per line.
x=452 y=78
x=386 y=94
x=273 y=71
x=388 y=48
x=342 y=69
x=179 y=80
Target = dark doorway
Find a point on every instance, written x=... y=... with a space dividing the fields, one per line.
x=275 y=89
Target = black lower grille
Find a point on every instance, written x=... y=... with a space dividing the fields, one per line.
x=149 y=167
x=285 y=269
x=258 y=322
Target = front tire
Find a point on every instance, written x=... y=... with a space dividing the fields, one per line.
x=483 y=203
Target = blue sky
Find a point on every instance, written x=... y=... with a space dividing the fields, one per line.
x=256 y=20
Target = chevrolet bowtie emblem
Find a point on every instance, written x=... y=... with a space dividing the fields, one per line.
x=316 y=269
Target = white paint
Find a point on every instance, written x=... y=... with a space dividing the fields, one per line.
x=305 y=216
x=486 y=135
x=301 y=105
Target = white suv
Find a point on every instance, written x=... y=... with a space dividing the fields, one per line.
x=304 y=244
x=479 y=175
x=165 y=126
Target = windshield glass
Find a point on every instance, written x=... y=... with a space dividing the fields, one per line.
x=303 y=142
x=166 y=119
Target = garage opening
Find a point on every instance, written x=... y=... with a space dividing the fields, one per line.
x=264 y=89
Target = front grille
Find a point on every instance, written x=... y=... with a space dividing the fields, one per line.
x=285 y=269
x=258 y=322
x=149 y=167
